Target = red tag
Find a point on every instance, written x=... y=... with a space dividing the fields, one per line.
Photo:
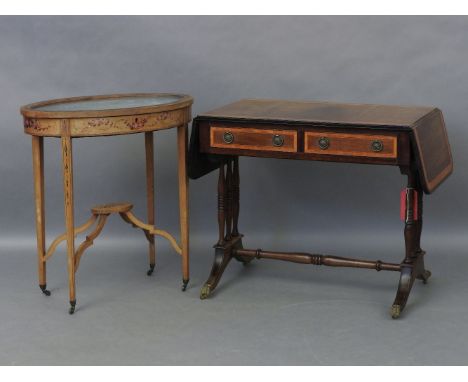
x=413 y=194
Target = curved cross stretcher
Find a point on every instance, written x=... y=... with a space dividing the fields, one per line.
x=100 y=214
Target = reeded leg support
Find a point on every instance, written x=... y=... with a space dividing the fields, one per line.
x=413 y=264
x=229 y=238
x=221 y=205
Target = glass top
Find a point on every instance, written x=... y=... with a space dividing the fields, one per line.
x=110 y=103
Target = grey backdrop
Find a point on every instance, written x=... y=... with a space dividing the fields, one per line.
x=271 y=313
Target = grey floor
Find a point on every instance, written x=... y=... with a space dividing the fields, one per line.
x=267 y=313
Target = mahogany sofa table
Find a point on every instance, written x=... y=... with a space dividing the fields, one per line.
x=412 y=138
x=99 y=116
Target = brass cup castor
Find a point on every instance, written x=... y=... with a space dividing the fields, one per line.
x=72 y=307
x=205 y=292
x=44 y=290
x=184 y=285
x=425 y=276
x=150 y=271
x=395 y=311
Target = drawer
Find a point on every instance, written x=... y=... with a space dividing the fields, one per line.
x=355 y=145
x=253 y=139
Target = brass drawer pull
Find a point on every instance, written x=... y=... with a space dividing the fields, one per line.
x=278 y=140
x=324 y=143
x=377 y=146
x=251 y=138
x=228 y=137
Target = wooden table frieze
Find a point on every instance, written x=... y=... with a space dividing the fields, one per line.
x=412 y=138
x=95 y=116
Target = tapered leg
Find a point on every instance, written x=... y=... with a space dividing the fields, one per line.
x=68 y=194
x=38 y=168
x=183 y=202
x=149 y=149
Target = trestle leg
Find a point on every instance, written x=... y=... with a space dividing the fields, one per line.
x=413 y=264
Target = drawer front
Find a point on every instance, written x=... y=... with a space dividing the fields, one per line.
x=253 y=139
x=355 y=145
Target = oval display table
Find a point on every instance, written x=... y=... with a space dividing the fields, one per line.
x=96 y=116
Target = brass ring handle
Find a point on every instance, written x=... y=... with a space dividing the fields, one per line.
x=278 y=140
x=324 y=143
x=377 y=146
x=228 y=137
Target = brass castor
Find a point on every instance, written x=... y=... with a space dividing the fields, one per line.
x=425 y=276
x=244 y=260
x=395 y=311
x=150 y=271
x=205 y=292
x=184 y=285
x=44 y=290
x=72 y=307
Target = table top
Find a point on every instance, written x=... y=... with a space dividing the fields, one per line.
x=107 y=114
x=320 y=112
x=106 y=105
x=422 y=126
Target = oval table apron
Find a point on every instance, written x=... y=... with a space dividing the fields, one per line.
x=106 y=115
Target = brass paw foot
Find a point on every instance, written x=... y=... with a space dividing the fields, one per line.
x=72 y=307
x=395 y=311
x=205 y=292
x=150 y=271
x=44 y=290
x=184 y=285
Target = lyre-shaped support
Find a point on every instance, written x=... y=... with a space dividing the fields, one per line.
x=412 y=267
